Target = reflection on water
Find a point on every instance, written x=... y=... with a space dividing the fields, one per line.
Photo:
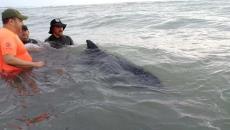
x=24 y=86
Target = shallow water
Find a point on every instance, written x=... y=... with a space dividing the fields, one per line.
x=183 y=43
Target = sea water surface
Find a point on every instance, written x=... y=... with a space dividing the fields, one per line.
x=186 y=44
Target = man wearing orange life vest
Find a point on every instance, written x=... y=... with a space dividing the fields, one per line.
x=13 y=55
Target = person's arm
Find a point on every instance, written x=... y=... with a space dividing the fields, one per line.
x=14 y=61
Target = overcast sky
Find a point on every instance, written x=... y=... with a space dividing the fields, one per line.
x=38 y=3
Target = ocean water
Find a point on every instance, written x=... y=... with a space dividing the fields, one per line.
x=185 y=44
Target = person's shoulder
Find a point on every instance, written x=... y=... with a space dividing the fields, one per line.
x=6 y=33
x=66 y=36
x=48 y=39
x=2 y=30
x=70 y=40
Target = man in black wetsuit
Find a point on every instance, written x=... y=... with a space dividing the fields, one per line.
x=57 y=39
x=24 y=36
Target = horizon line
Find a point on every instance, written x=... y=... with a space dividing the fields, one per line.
x=146 y=1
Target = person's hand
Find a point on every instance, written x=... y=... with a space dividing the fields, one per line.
x=39 y=64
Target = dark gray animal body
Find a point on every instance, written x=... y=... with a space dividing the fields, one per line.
x=94 y=65
x=110 y=64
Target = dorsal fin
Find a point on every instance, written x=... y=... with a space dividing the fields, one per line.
x=91 y=45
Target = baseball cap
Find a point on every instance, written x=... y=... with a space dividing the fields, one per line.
x=11 y=13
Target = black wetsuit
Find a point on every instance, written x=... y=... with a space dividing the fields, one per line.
x=31 y=41
x=59 y=42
